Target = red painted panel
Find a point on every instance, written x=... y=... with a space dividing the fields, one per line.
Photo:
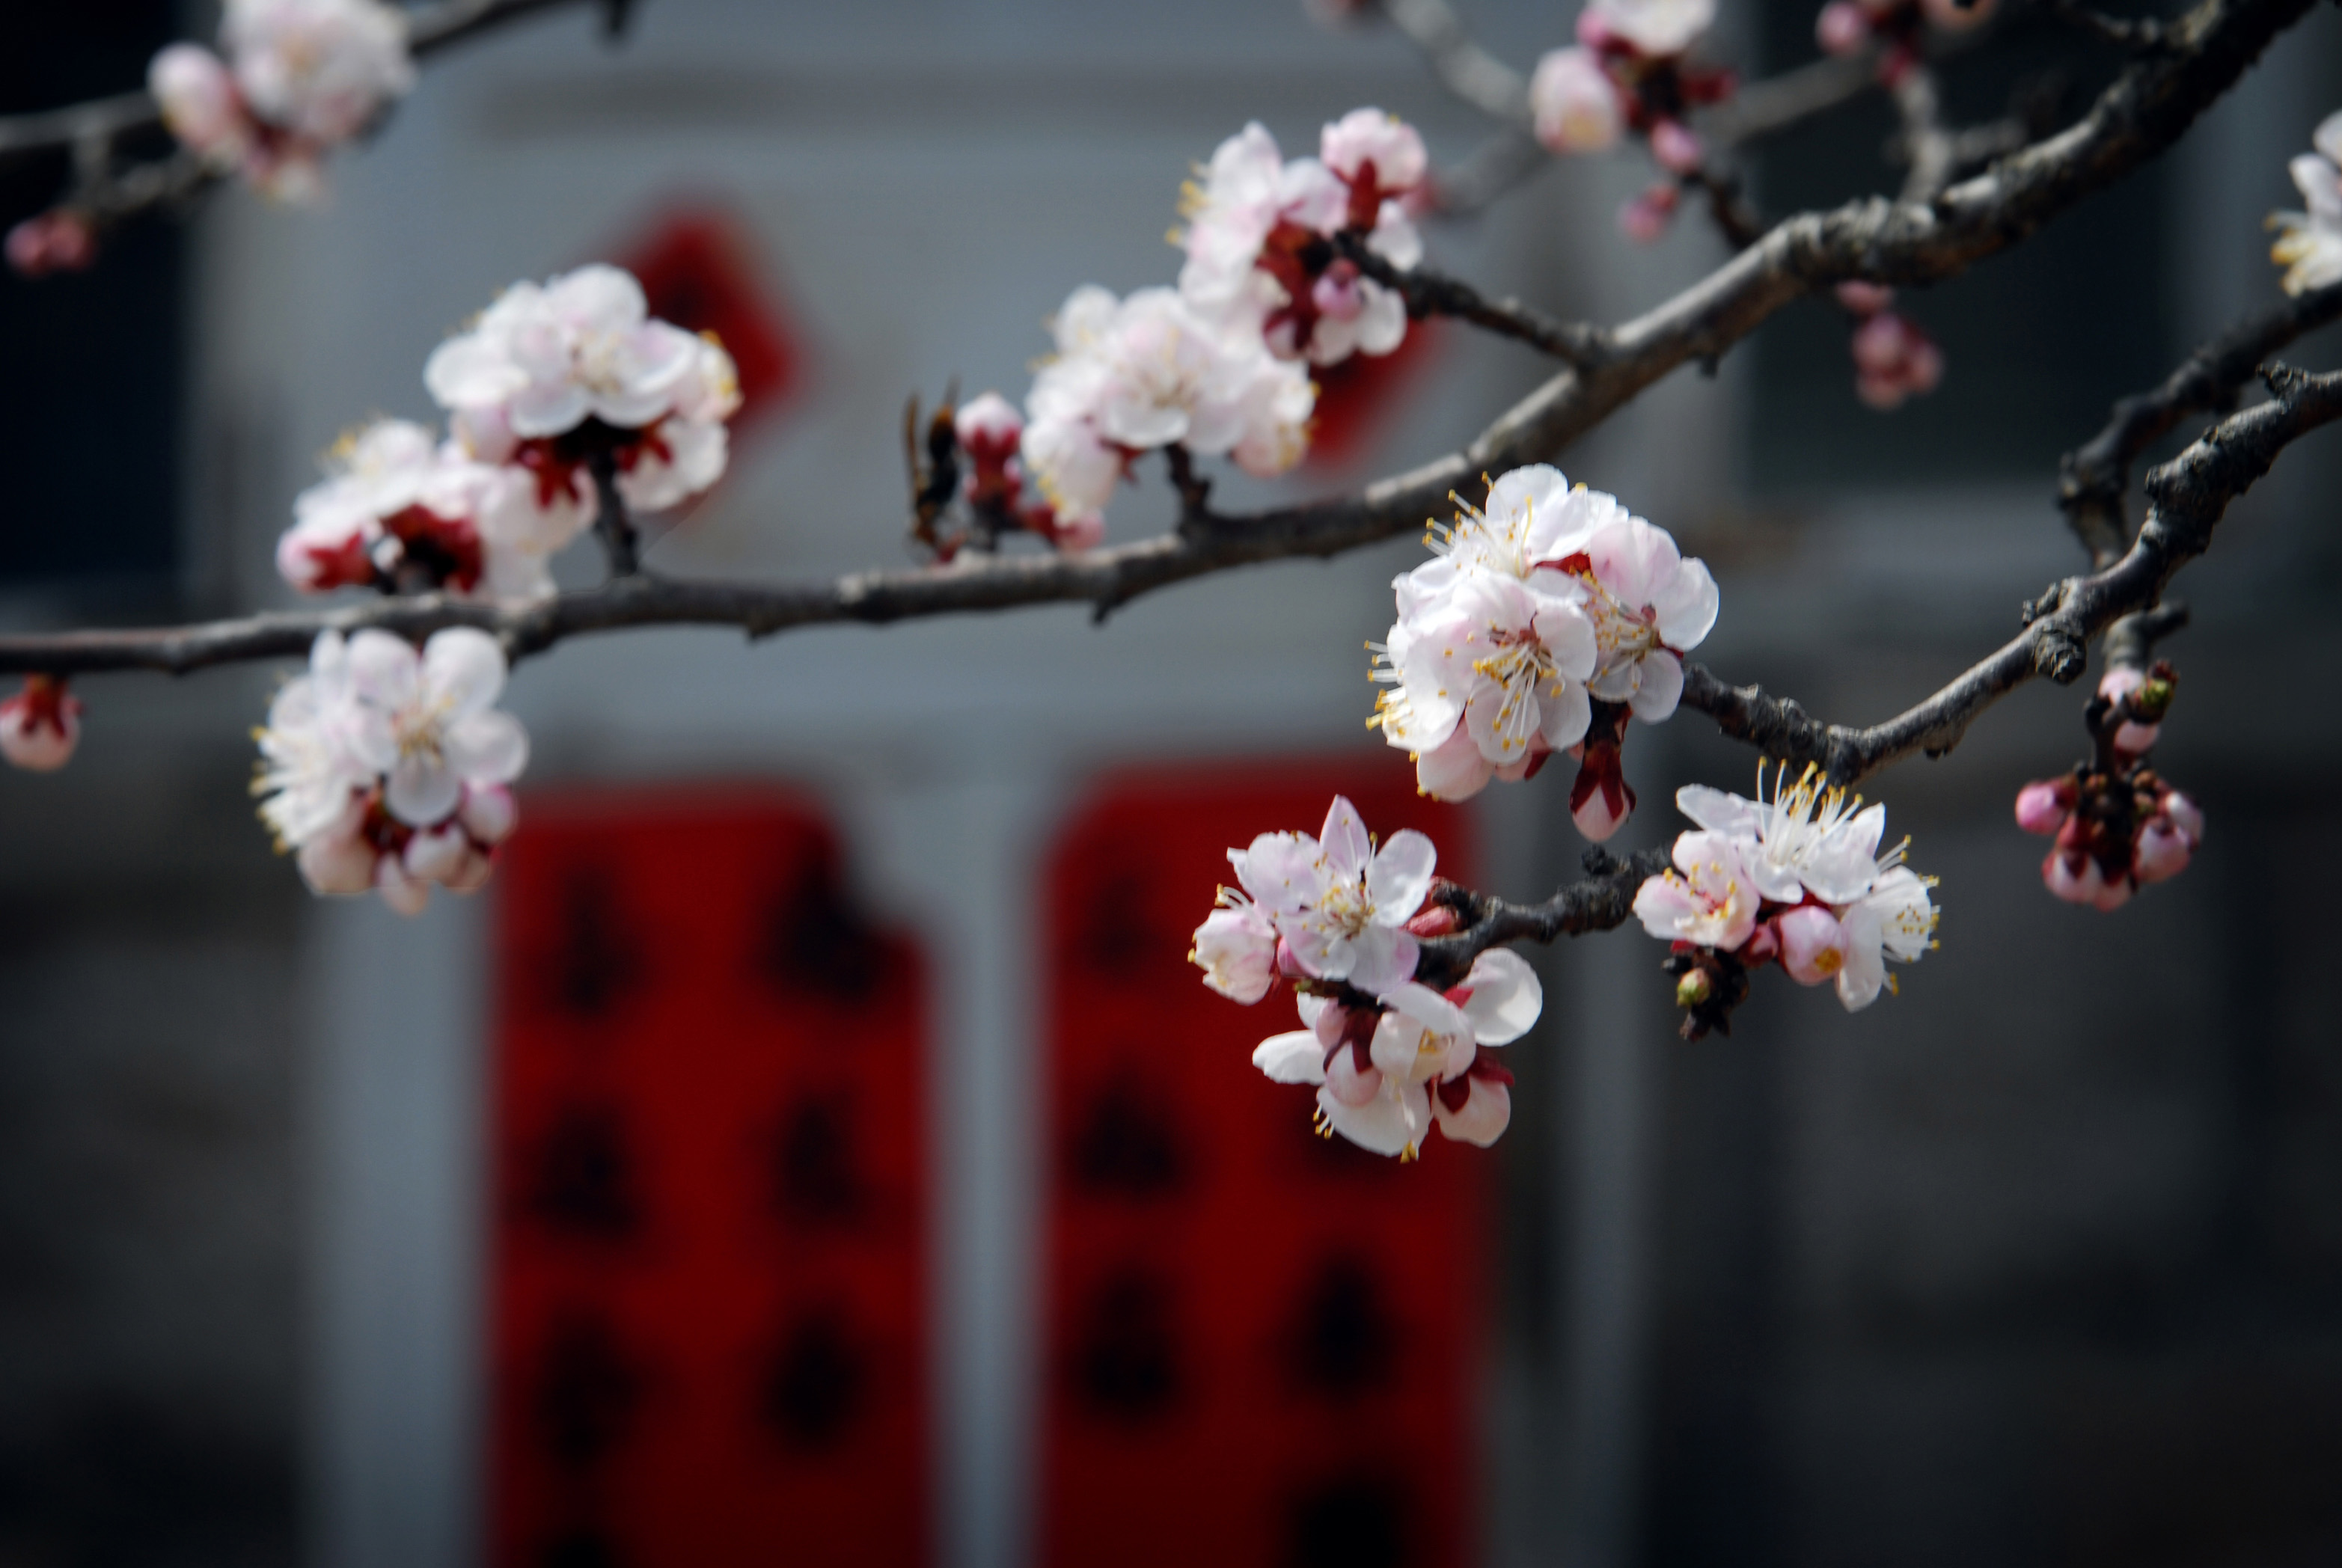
x=1262 y=1345
x=708 y=1323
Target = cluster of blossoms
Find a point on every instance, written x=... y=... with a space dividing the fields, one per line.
x=386 y=768
x=1896 y=27
x=1629 y=73
x=1549 y=618
x=1340 y=918
x=1218 y=365
x=299 y=77
x=2310 y=247
x=1797 y=878
x=549 y=382
x=1893 y=358
x=40 y=725
x=2119 y=825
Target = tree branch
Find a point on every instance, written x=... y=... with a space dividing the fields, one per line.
x=1603 y=900
x=2094 y=477
x=2142 y=112
x=2189 y=495
x=1430 y=293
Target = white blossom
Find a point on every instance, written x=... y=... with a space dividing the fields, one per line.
x=1649 y=606
x=1896 y=919
x=299 y=76
x=1385 y=1079
x=1806 y=839
x=425 y=720
x=1147 y=371
x=545 y=360
x=2310 y=247
x=1575 y=103
x=1656 y=29
x=1341 y=904
x=1709 y=900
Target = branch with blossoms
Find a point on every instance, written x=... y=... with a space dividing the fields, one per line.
x=292 y=81
x=1550 y=620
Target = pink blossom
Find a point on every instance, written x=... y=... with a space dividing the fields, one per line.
x=40 y=725
x=1708 y=899
x=2132 y=738
x=1813 y=944
x=1379 y=156
x=2043 y=805
x=1894 y=360
x=1674 y=146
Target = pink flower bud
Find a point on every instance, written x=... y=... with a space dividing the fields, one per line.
x=1923 y=369
x=2185 y=816
x=989 y=427
x=1841 y=28
x=403 y=892
x=1594 y=31
x=2131 y=738
x=1434 y=920
x=40 y=725
x=2162 y=853
x=200 y=102
x=1645 y=219
x=1881 y=391
x=1763 y=943
x=1880 y=344
x=2112 y=895
x=1674 y=146
x=2043 y=805
x=2072 y=877
x=58 y=240
x=1865 y=298
x=1812 y=944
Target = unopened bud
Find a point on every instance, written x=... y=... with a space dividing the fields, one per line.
x=2151 y=699
x=1694 y=988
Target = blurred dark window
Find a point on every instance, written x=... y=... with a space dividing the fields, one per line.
x=89 y=407
x=2039 y=341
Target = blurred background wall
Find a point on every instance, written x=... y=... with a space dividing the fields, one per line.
x=2038 y=1263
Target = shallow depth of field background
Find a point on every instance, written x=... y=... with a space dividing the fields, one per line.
x=313 y=1249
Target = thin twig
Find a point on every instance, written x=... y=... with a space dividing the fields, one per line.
x=2094 y=477
x=1463 y=67
x=1603 y=900
x=1431 y=293
x=2189 y=495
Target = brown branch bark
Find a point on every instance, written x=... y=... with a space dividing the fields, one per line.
x=1428 y=292
x=1603 y=902
x=2189 y=495
x=2142 y=112
x=2094 y=477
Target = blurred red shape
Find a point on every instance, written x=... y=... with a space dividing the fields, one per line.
x=1262 y=1347
x=697 y=270
x=708 y=1319
x=1357 y=399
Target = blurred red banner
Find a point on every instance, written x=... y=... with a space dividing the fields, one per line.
x=1263 y=1346
x=709 y=1334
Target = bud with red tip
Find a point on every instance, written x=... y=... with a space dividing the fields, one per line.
x=59 y=241
x=40 y=725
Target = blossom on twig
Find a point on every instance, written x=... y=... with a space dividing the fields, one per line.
x=299 y=77
x=1541 y=605
x=552 y=375
x=386 y=768
x=1797 y=877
